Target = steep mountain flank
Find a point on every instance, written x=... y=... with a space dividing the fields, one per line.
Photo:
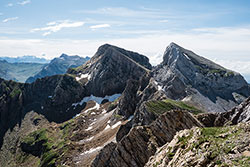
x=141 y=142
x=61 y=97
x=186 y=76
x=109 y=69
x=58 y=66
x=49 y=96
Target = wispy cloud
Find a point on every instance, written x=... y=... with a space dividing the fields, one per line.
x=57 y=26
x=24 y=2
x=125 y=12
x=164 y=21
x=1 y=14
x=99 y=26
x=223 y=45
x=9 y=4
x=10 y=19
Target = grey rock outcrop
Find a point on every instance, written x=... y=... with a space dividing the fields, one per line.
x=223 y=146
x=53 y=96
x=141 y=142
x=109 y=70
x=185 y=75
x=238 y=114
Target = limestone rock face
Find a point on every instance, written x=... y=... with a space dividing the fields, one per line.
x=153 y=104
x=110 y=68
x=241 y=113
x=106 y=73
x=141 y=142
x=225 y=146
x=238 y=114
x=182 y=70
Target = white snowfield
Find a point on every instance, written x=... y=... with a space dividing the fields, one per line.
x=92 y=150
x=113 y=126
x=107 y=127
x=97 y=99
x=131 y=117
x=89 y=139
x=89 y=128
x=96 y=107
x=116 y=125
x=159 y=87
x=88 y=76
x=186 y=56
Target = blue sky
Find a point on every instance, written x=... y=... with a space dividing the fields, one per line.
x=216 y=29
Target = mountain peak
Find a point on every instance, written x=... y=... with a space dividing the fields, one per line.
x=183 y=68
x=104 y=48
x=174 y=45
x=64 y=55
x=111 y=50
x=175 y=54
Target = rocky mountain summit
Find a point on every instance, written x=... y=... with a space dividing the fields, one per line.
x=118 y=110
x=58 y=66
x=183 y=75
x=109 y=70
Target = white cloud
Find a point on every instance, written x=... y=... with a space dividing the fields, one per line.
x=24 y=2
x=10 y=19
x=227 y=46
x=164 y=21
x=57 y=26
x=126 y=12
x=1 y=14
x=237 y=65
x=9 y=5
x=99 y=26
x=49 y=48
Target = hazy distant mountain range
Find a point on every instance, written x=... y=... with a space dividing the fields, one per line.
x=59 y=66
x=25 y=59
x=29 y=68
x=18 y=71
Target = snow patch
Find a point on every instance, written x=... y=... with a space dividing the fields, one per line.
x=88 y=76
x=186 y=56
x=159 y=87
x=89 y=128
x=89 y=138
x=92 y=150
x=104 y=111
x=92 y=123
x=97 y=99
x=116 y=124
x=131 y=117
x=77 y=115
x=107 y=127
x=96 y=107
